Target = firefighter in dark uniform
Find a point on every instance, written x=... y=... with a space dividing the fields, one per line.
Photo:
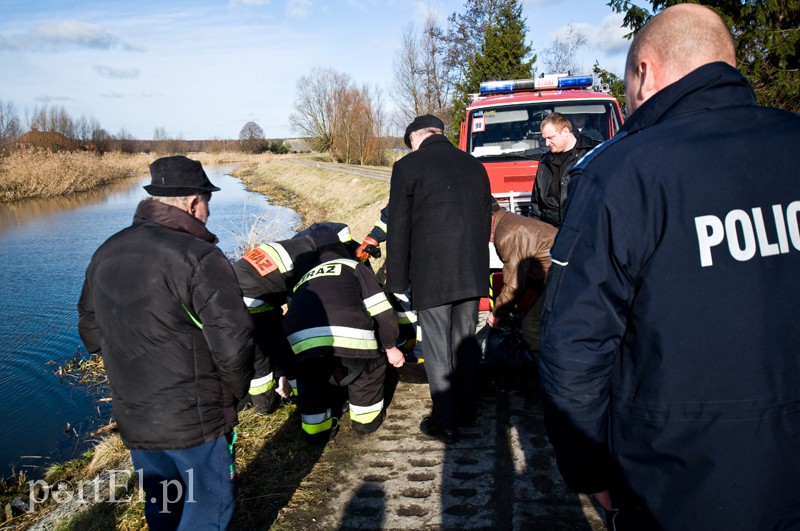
x=266 y=276
x=339 y=324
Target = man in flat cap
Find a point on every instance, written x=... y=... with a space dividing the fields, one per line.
x=440 y=212
x=162 y=305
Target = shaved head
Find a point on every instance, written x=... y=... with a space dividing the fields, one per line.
x=673 y=43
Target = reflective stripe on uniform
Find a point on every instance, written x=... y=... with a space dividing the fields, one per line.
x=409 y=317
x=332 y=336
x=317 y=423
x=293 y=383
x=279 y=255
x=344 y=235
x=325 y=269
x=259 y=386
x=257 y=305
x=365 y=414
x=376 y=304
x=381 y=225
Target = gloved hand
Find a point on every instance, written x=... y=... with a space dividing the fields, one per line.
x=369 y=248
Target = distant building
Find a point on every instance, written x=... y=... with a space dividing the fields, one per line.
x=48 y=140
x=297 y=145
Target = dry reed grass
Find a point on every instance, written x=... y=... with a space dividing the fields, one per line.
x=47 y=174
x=42 y=174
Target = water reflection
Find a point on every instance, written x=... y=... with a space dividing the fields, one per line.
x=21 y=212
x=45 y=246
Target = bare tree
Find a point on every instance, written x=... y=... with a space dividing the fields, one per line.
x=561 y=56
x=52 y=118
x=358 y=133
x=252 y=138
x=421 y=80
x=10 y=128
x=315 y=113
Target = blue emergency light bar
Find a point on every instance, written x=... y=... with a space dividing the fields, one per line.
x=551 y=82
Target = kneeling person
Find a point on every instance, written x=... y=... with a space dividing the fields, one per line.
x=339 y=323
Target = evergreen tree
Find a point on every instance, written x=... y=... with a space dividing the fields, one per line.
x=615 y=84
x=503 y=54
x=767 y=36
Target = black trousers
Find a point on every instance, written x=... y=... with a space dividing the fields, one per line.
x=451 y=360
x=321 y=399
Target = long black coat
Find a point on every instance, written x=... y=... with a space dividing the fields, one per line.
x=174 y=384
x=440 y=216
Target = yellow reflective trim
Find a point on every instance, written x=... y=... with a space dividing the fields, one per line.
x=379 y=308
x=333 y=341
x=339 y=331
x=279 y=256
x=316 y=423
x=365 y=414
x=312 y=429
x=344 y=235
x=259 y=386
x=381 y=225
x=406 y=317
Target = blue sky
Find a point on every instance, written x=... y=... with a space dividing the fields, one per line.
x=203 y=68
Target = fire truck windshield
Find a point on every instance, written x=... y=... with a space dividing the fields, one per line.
x=514 y=131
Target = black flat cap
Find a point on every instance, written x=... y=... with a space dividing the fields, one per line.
x=178 y=176
x=422 y=122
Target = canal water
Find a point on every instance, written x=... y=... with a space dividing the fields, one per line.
x=45 y=246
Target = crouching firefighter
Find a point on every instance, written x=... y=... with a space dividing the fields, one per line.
x=339 y=324
x=266 y=276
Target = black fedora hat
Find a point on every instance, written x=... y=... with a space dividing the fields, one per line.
x=422 y=122
x=178 y=176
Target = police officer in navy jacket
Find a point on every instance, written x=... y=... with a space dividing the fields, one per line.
x=670 y=362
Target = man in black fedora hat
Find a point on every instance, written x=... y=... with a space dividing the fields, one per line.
x=162 y=305
x=438 y=234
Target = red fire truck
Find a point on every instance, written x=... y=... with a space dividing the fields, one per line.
x=502 y=127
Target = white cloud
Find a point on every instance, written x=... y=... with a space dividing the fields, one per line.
x=64 y=35
x=609 y=36
x=298 y=8
x=116 y=73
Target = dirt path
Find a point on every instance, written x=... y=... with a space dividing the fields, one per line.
x=500 y=476
x=380 y=174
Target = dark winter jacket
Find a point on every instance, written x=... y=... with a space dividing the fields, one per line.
x=523 y=244
x=669 y=356
x=161 y=304
x=339 y=309
x=440 y=211
x=549 y=191
x=378 y=232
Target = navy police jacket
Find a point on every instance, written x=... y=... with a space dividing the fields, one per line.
x=670 y=358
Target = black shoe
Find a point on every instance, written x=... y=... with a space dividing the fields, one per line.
x=446 y=435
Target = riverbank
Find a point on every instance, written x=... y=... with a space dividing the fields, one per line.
x=272 y=460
